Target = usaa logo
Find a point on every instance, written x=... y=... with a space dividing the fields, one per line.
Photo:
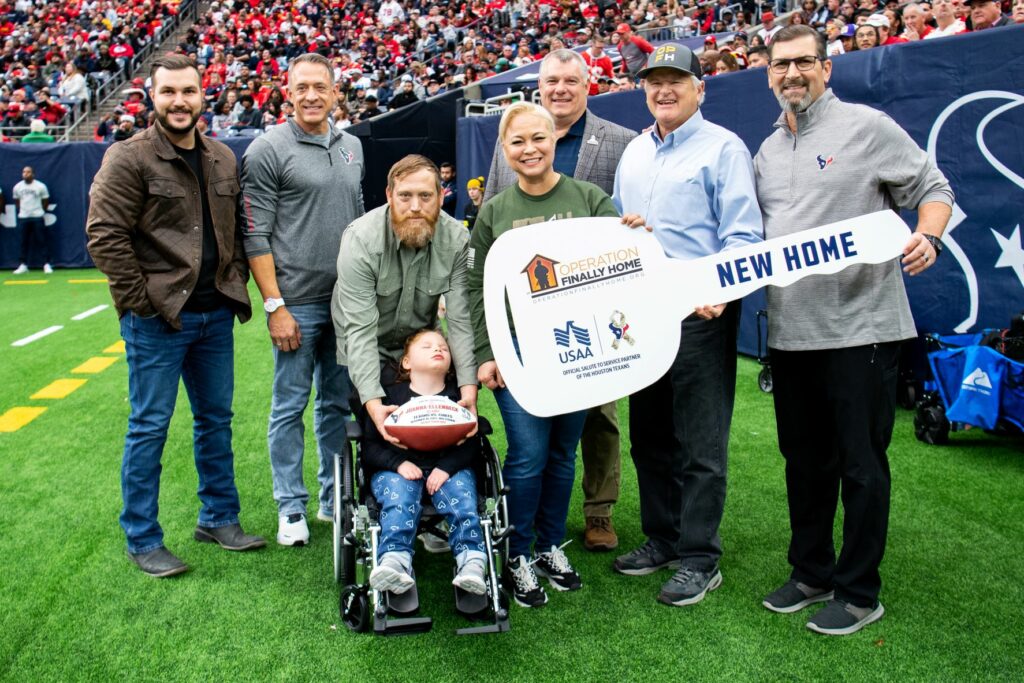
x=565 y=337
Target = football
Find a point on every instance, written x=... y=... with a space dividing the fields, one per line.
x=430 y=423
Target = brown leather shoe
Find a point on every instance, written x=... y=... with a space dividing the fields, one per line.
x=600 y=534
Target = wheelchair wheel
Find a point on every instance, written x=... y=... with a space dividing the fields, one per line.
x=338 y=515
x=347 y=551
x=355 y=608
x=764 y=379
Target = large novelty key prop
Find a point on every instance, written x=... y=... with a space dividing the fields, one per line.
x=597 y=306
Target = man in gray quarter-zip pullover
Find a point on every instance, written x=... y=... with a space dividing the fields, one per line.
x=301 y=187
x=834 y=339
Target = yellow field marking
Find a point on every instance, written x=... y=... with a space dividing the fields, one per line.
x=58 y=389
x=116 y=347
x=94 y=365
x=25 y=282
x=16 y=418
x=92 y=281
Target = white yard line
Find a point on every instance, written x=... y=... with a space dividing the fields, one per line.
x=92 y=311
x=38 y=335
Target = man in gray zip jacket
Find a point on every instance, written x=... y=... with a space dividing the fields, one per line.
x=301 y=187
x=834 y=340
x=588 y=148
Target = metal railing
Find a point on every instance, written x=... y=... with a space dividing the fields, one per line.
x=112 y=85
x=493 y=106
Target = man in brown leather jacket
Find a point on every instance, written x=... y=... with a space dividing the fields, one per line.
x=163 y=228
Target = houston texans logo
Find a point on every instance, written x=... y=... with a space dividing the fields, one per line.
x=1012 y=247
x=346 y=155
x=823 y=163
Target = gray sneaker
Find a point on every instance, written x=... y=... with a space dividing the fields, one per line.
x=159 y=563
x=839 y=618
x=471 y=577
x=689 y=586
x=390 y=575
x=644 y=560
x=793 y=596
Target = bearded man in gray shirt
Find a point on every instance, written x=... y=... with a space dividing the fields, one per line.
x=834 y=340
x=301 y=186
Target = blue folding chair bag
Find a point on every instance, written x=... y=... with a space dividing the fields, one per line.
x=970 y=382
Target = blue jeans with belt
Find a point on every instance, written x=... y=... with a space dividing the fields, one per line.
x=202 y=356
x=313 y=364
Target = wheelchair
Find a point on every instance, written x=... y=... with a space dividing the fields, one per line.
x=357 y=533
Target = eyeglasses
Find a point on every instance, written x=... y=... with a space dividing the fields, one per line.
x=781 y=66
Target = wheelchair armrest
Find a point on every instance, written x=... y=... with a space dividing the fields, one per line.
x=483 y=426
x=354 y=430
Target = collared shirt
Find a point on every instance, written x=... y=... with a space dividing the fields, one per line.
x=695 y=188
x=387 y=290
x=567 y=149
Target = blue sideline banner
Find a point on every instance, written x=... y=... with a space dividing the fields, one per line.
x=959 y=98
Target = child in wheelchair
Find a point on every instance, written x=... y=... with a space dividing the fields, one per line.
x=399 y=476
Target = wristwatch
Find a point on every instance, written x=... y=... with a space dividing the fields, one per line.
x=271 y=304
x=936 y=244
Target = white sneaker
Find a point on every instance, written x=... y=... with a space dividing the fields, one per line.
x=21 y=270
x=471 y=578
x=389 y=575
x=48 y=269
x=292 y=529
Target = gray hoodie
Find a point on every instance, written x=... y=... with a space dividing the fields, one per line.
x=299 y=197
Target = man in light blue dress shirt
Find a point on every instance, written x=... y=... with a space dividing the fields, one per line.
x=692 y=183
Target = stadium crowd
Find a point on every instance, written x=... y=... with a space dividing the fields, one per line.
x=56 y=53
x=390 y=54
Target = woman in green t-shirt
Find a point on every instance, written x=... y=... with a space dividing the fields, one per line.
x=540 y=466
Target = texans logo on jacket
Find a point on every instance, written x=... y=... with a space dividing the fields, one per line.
x=823 y=163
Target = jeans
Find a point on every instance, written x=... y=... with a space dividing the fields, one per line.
x=679 y=428
x=539 y=469
x=835 y=410
x=33 y=230
x=401 y=505
x=314 y=363
x=202 y=355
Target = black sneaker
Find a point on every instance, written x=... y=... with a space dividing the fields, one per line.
x=689 y=586
x=555 y=567
x=644 y=560
x=839 y=618
x=521 y=581
x=793 y=596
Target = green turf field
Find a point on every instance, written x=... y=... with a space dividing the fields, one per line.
x=72 y=607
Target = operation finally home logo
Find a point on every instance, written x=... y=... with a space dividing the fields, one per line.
x=547 y=276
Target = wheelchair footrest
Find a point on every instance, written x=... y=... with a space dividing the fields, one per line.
x=470 y=605
x=499 y=626
x=402 y=627
x=405 y=603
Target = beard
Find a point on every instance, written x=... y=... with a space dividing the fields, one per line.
x=411 y=232
x=164 y=119
x=789 y=105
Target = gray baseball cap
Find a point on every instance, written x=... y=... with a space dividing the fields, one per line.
x=672 y=56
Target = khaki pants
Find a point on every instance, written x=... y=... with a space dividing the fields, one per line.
x=601 y=463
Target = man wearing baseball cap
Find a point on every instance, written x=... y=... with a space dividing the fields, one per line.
x=769 y=29
x=691 y=182
x=633 y=48
x=986 y=14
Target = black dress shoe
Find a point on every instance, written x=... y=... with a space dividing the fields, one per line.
x=159 y=563
x=230 y=537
